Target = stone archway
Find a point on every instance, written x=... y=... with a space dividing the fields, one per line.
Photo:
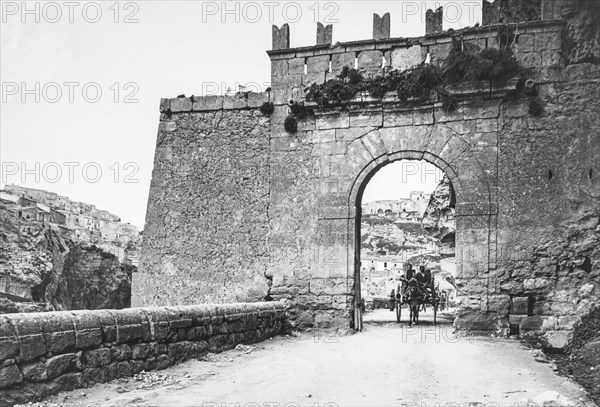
x=475 y=210
x=358 y=230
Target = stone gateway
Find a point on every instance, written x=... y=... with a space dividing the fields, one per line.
x=241 y=209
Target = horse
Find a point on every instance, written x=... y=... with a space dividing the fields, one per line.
x=414 y=298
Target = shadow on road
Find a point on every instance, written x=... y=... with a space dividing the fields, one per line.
x=385 y=316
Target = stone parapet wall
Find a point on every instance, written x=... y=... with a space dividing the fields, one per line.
x=536 y=43
x=44 y=353
x=244 y=100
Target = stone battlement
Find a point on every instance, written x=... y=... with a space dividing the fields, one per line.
x=535 y=35
x=493 y=13
x=535 y=44
x=44 y=353
x=533 y=30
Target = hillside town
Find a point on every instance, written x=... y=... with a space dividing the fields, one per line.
x=77 y=221
x=391 y=231
x=409 y=209
x=396 y=232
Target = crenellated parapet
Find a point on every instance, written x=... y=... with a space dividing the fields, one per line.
x=281 y=37
x=324 y=34
x=534 y=43
x=381 y=26
x=434 y=21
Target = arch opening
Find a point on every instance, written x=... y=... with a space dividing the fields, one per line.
x=405 y=214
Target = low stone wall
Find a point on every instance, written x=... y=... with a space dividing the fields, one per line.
x=44 y=353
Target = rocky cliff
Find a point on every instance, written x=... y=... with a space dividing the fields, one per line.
x=439 y=218
x=40 y=265
x=386 y=234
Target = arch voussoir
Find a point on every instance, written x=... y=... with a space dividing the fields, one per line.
x=453 y=149
x=405 y=138
x=440 y=136
x=374 y=144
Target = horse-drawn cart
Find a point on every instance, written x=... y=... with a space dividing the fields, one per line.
x=414 y=297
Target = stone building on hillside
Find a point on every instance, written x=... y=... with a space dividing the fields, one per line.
x=8 y=201
x=78 y=220
x=415 y=205
x=382 y=264
x=57 y=217
x=385 y=207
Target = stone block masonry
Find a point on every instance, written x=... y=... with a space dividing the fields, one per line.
x=526 y=183
x=222 y=144
x=44 y=353
x=539 y=44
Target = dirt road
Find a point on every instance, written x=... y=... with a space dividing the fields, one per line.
x=387 y=364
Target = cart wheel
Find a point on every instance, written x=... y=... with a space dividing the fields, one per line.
x=398 y=310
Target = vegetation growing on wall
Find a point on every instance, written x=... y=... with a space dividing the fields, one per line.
x=465 y=62
x=267 y=108
x=300 y=111
x=410 y=83
x=291 y=124
x=468 y=63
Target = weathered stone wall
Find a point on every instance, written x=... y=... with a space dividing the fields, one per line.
x=549 y=207
x=206 y=224
x=44 y=353
x=512 y=11
x=582 y=37
x=491 y=147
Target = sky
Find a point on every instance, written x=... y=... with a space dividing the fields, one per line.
x=400 y=178
x=82 y=81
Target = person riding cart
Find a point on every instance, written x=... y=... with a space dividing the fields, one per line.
x=425 y=282
x=416 y=292
x=409 y=274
